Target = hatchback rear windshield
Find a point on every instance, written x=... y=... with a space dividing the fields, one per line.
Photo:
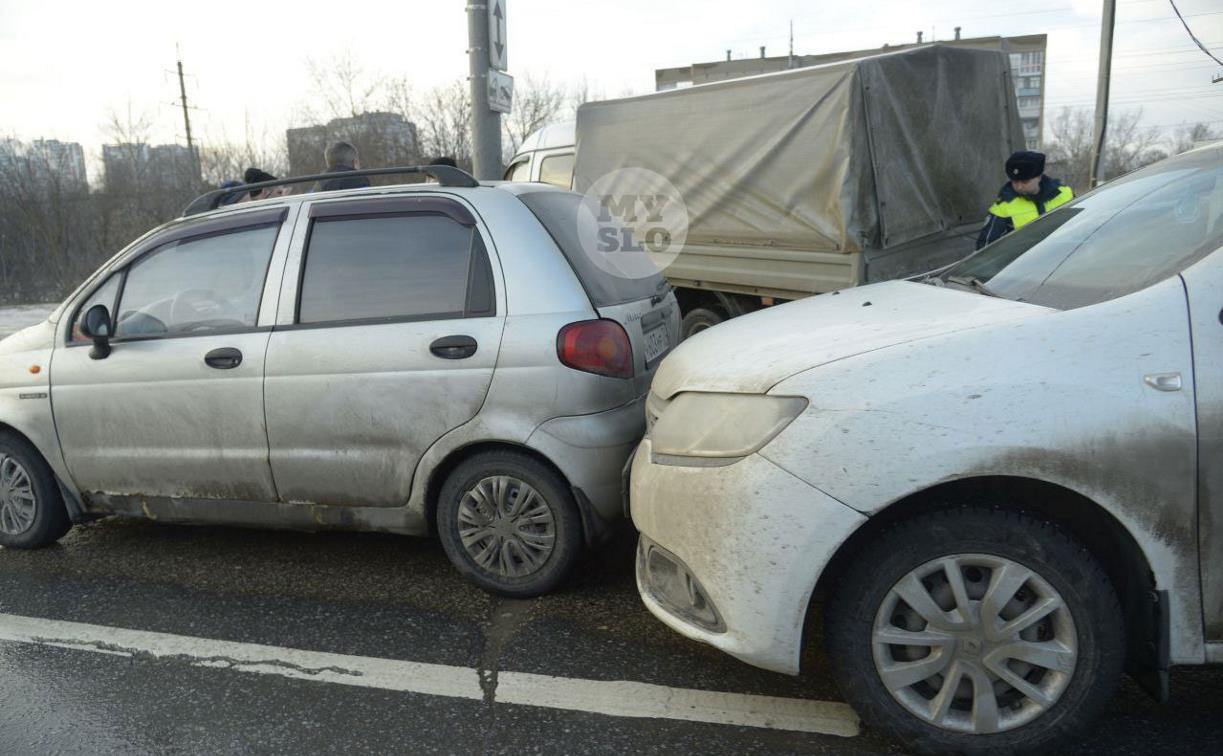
x=558 y=212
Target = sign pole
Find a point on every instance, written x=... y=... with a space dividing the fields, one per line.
x=485 y=122
x=1099 y=132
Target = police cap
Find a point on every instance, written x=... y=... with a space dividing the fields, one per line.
x=1024 y=165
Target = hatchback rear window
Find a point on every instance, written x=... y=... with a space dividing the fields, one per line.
x=558 y=212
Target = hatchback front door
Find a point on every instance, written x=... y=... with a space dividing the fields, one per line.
x=176 y=408
x=391 y=344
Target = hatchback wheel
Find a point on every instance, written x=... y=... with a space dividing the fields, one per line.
x=32 y=510
x=976 y=631
x=509 y=524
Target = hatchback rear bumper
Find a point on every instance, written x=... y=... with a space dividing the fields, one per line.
x=591 y=451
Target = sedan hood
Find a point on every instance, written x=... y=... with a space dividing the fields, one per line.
x=753 y=353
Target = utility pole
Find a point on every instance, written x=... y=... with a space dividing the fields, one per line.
x=182 y=92
x=790 y=63
x=1106 y=63
x=485 y=122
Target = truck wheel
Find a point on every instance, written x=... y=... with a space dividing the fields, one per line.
x=32 y=512
x=509 y=524
x=698 y=320
x=976 y=631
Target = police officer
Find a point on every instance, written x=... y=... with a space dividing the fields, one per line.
x=1029 y=195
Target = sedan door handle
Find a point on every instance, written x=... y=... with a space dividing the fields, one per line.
x=453 y=347
x=1163 y=381
x=224 y=358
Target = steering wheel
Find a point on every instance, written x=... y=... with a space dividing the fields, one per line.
x=193 y=309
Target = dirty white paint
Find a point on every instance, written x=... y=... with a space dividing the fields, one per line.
x=612 y=698
x=909 y=386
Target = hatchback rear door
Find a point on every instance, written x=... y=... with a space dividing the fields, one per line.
x=643 y=305
x=389 y=328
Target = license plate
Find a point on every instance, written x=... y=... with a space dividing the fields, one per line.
x=656 y=342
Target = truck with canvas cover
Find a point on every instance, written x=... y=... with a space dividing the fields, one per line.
x=811 y=180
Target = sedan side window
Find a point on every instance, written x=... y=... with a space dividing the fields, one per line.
x=390 y=267
x=197 y=285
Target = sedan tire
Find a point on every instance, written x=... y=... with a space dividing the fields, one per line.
x=509 y=524
x=975 y=631
x=32 y=512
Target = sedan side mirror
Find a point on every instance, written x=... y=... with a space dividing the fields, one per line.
x=96 y=325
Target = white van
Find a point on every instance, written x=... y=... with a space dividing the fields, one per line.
x=546 y=155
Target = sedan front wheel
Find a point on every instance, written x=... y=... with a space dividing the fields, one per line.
x=976 y=631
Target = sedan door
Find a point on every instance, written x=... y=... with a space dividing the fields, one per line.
x=176 y=409
x=1204 y=283
x=387 y=341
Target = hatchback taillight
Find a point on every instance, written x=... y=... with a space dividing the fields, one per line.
x=596 y=346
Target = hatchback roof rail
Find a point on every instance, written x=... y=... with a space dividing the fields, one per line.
x=446 y=176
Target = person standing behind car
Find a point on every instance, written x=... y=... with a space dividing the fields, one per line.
x=342 y=157
x=441 y=160
x=255 y=176
x=1028 y=195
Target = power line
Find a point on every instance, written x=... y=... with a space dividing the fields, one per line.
x=1193 y=36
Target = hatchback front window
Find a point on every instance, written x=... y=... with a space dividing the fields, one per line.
x=1124 y=237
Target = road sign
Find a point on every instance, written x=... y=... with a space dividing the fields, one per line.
x=500 y=91
x=498 y=48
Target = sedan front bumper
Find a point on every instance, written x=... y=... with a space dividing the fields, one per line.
x=747 y=543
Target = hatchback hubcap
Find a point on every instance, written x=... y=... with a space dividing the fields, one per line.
x=17 y=502
x=974 y=643
x=506 y=526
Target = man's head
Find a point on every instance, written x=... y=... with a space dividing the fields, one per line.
x=254 y=176
x=341 y=154
x=444 y=160
x=1024 y=169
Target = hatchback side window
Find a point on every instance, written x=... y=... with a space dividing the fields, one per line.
x=103 y=295
x=210 y=283
x=392 y=267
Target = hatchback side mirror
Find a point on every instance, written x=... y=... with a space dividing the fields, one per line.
x=96 y=325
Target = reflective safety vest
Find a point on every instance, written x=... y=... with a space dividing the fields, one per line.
x=1013 y=210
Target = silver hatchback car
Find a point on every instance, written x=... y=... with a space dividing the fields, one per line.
x=423 y=358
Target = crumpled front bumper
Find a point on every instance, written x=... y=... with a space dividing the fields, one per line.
x=753 y=538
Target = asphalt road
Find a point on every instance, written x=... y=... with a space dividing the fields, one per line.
x=385 y=598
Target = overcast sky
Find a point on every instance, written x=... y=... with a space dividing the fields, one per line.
x=65 y=65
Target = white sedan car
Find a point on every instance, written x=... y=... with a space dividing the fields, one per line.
x=1003 y=482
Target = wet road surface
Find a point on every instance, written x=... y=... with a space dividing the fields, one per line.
x=371 y=597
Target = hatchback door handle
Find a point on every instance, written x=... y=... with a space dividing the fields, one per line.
x=453 y=347
x=223 y=358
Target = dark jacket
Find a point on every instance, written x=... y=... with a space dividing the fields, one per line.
x=348 y=182
x=1013 y=210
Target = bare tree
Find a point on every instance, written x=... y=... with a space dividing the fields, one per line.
x=1189 y=135
x=1128 y=146
x=537 y=102
x=342 y=87
x=444 y=123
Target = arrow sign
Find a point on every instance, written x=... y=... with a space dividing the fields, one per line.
x=498 y=48
x=500 y=91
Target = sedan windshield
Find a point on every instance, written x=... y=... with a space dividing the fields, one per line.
x=1123 y=237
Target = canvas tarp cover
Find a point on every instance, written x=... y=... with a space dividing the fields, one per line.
x=872 y=152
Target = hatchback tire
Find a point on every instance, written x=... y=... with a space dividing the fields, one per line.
x=509 y=524
x=32 y=512
x=1015 y=637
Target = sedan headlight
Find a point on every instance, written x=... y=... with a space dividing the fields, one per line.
x=707 y=429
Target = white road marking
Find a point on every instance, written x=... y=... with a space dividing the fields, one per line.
x=614 y=698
